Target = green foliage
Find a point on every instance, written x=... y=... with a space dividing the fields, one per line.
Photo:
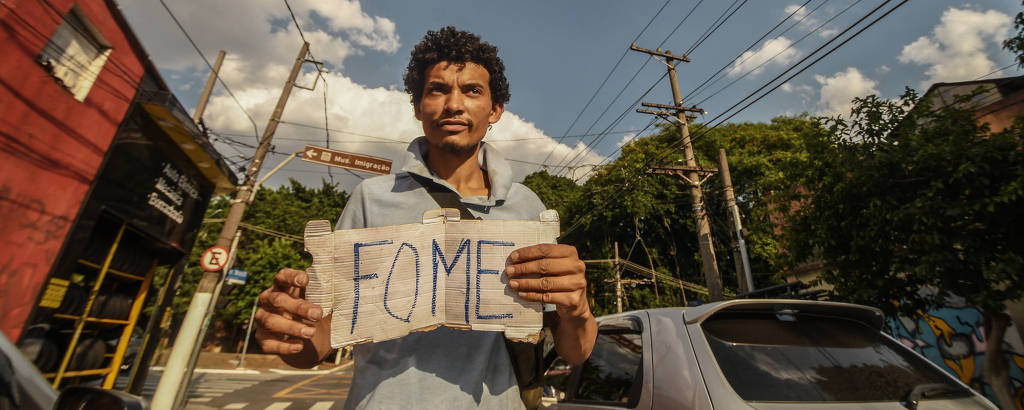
x=1015 y=44
x=286 y=210
x=621 y=201
x=904 y=196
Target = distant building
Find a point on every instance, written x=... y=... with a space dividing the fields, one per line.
x=105 y=177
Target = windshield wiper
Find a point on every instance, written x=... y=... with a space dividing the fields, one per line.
x=925 y=390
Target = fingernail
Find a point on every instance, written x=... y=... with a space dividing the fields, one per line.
x=296 y=348
x=510 y=270
x=315 y=313
x=513 y=256
x=513 y=284
x=307 y=332
x=300 y=281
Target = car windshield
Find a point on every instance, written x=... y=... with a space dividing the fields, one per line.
x=807 y=358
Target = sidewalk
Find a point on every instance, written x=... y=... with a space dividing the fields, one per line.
x=254 y=363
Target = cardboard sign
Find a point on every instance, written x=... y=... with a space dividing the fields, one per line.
x=382 y=283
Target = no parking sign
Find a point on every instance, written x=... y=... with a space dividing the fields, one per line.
x=214 y=259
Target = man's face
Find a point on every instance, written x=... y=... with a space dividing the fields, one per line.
x=456 y=107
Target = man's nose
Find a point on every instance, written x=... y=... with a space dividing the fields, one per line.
x=455 y=102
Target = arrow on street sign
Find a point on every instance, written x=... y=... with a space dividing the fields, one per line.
x=341 y=159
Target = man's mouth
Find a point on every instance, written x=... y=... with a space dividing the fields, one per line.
x=454 y=125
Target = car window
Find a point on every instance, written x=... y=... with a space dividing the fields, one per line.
x=815 y=358
x=613 y=374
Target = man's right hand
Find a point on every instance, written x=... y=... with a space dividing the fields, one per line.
x=288 y=324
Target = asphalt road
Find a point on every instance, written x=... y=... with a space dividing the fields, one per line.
x=269 y=391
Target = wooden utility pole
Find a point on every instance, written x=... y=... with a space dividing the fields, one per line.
x=691 y=172
x=739 y=246
x=176 y=372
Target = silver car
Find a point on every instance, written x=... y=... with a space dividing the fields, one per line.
x=753 y=354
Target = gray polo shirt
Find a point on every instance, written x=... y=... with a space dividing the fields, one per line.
x=442 y=368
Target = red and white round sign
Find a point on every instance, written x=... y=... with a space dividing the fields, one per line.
x=214 y=259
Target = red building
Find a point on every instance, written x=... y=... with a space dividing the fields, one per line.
x=104 y=177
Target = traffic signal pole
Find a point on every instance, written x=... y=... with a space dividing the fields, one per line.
x=176 y=372
x=689 y=173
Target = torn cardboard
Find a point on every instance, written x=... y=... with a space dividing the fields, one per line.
x=382 y=283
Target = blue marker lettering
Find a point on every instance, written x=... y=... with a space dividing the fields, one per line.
x=481 y=271
x=387 y=282
x=357 y=277
x=463 y=247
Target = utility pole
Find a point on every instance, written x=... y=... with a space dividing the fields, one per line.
x=176 y=372
x=618 y=280
x=739 y=246
x=689 y=173
x=205 y=97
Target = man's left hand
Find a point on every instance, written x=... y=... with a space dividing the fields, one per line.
x=551 y=273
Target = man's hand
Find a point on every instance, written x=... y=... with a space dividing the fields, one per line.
x=555 y=274
x=288 y=324
x=550 y=274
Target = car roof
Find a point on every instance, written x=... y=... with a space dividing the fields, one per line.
x=870 y=316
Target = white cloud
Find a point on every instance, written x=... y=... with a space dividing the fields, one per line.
x=837 y=92
x=259 y=58
x=882 y=69
x=804 y=17
x=956 y=49
x=777 y=49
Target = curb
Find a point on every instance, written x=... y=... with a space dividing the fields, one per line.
x=333 y=370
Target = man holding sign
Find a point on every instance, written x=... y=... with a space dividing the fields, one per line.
x=458 y=88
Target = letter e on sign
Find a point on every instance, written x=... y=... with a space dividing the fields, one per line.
x=214 y=259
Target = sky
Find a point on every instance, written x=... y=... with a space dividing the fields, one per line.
x=572 y=79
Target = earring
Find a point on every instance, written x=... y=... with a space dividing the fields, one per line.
x=490 y=127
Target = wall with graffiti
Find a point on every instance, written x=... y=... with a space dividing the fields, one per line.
x=953 y=337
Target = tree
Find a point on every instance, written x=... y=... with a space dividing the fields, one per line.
x=1015 y=44
x=621 y=201
x=905 y=196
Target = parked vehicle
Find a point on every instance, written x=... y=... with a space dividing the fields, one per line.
x=23 y=387
x=753 y=354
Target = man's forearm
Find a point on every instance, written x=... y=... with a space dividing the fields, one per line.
x=574 y=336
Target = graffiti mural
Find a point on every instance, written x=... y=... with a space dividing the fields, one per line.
x=953 y=337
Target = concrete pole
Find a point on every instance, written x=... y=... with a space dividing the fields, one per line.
x=205 y=97
x=175 y=371
x=618 y=280
x=739 y=246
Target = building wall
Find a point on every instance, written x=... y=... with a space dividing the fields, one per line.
x=51 y=145
x=952 y=336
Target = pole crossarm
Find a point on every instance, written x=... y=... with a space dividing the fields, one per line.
x=673 y=107
x=640 y=270
x=680 y=169
x=663 y=54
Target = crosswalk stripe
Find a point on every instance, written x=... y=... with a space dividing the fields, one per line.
x=281 y=405
x=201 y=399
x=322 y=405
x=235 y=406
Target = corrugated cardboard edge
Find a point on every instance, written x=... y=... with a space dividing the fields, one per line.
x=529 y=335
x=319 y=292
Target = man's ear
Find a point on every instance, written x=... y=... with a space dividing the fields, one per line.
x=496 y=111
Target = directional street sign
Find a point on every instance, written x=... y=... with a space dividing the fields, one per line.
x=341 y=159
x=237 y=277
x=214 y=259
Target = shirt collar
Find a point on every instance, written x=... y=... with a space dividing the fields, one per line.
x=498 y=170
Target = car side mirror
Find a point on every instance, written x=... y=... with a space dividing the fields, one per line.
x=94 y=398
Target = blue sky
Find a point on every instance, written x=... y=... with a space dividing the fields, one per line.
x=556 y=53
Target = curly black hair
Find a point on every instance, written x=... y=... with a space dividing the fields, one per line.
x=456 y=46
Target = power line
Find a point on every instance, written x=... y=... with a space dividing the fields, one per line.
x=255 y=129
x=605 y=81
x=816 y=29
x=765 y=35
x=715 y=26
